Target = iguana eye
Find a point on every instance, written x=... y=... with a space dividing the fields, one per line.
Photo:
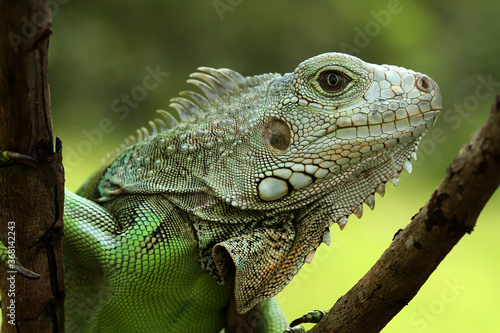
x=277 y=134
x=333 y=81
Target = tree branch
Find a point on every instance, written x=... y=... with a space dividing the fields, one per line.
x=416 y=251
x=31 y=201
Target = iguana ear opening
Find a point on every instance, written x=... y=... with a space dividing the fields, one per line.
x=277 y=134
x=257 y=257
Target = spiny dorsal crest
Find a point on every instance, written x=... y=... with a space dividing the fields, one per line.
x=216 y=85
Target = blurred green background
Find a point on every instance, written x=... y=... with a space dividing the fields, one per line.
x=101 y=51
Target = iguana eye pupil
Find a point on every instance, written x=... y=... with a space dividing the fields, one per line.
x=277 y=134
x=333 y=81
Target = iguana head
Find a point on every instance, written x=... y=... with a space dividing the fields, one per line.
x=334 y=114
x=266 y=164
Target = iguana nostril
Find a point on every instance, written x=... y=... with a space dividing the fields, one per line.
x=424 y=83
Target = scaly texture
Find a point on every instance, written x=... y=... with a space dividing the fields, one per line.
x=228 y=203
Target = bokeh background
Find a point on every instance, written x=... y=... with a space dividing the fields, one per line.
x=101 y=52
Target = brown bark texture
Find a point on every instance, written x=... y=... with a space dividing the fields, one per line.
x=31 y=197
x=417 y=250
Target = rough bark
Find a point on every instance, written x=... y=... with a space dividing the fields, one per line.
x=417 y=250
x=31 y=197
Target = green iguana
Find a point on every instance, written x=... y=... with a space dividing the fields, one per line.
x=195 y=226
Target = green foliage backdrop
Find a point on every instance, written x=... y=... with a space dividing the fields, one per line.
x=113 y=63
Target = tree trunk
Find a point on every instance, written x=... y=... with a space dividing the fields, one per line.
x=416 y=251
x=31 y=197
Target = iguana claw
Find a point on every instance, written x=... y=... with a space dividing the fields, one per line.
x=296 y=329
x=29 y=274
x=12 y=263
x=9 y=157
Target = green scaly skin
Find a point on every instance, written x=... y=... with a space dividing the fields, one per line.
x=145 y=276
x=196 y=226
